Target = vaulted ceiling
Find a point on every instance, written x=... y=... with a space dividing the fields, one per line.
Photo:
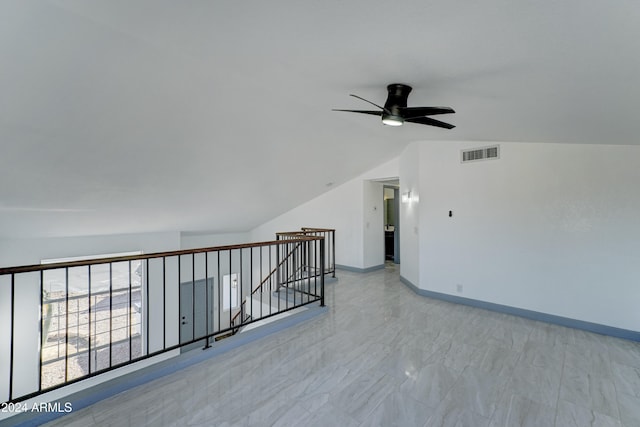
x=159 y=115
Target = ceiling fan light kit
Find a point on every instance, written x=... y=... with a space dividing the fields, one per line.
x=392 y=121
x=395 y=111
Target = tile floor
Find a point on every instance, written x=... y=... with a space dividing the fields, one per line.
x=383 y=356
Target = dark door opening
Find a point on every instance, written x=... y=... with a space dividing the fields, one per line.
x=392 y=224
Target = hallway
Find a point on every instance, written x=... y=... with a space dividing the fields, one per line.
x=385 y=356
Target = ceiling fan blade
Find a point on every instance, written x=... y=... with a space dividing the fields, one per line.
x=375 y=113
x=430 y=122
x=365 y=100
x=411 y=112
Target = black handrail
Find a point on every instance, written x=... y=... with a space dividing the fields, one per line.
x=167 y=254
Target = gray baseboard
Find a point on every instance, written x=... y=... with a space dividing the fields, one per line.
x=359 y=270
x=528 y=314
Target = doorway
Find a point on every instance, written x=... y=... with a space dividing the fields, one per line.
x=193 y=312
x=391 y=203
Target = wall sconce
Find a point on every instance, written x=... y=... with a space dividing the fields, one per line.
x=406 y=197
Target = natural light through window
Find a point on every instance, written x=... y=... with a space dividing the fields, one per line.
x=91 y=316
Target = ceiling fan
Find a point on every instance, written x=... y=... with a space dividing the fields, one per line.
x=395 y=111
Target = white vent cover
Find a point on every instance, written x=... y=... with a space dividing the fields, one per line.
x=484 y=153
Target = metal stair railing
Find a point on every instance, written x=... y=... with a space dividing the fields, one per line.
x=66 y=322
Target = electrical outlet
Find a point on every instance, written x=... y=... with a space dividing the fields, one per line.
x=459 y=288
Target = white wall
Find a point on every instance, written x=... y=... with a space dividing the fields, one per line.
x=31 y=251
x=409 y=221
x=548 y=227
x=341 y=208
x=206 y=240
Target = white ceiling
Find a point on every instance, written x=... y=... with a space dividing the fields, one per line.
x=156 y=115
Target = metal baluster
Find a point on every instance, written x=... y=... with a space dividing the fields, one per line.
x=13 y=321
x=206 y=296
x=42 y=337
x=164 y=301
x=89 y=354
x=270 y=249
x=279 y=279
x=110 y=314
x=322 y=274
x=251 y=282
x=219 y=294
x=308 y=261
x=261 y=273
x=333 y=252
x=193 y=296
x=315 y=265
x=180 y=299
x=129 y=319
x=230 y=289
x=147 y=306
x=241 y=299
x=66 y=324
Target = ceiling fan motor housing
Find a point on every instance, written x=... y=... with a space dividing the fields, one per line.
x=396 y=100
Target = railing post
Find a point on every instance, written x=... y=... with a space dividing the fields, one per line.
x=332 y=233
x=322 y=272
x=12 y=334
x=278 y=281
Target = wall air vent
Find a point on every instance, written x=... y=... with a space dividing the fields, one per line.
x=484 y=153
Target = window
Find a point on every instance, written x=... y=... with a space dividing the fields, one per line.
x=91 y=317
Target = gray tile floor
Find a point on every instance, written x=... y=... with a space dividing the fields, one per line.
x=383 y=356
